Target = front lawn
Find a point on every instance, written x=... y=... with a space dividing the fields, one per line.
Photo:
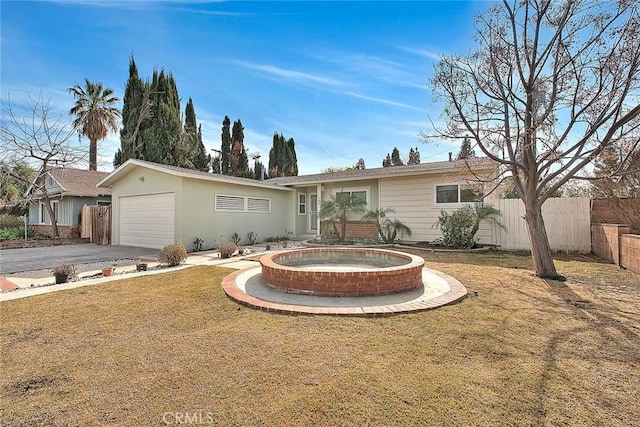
x=171 y=347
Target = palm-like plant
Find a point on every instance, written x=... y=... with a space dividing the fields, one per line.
x=388 y=229
x=339 y=207
x=95 y=115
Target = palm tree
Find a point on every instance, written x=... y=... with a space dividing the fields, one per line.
x=95 y=115
x=387 y=229
x=339 y=207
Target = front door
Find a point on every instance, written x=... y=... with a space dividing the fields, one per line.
x=313 y=213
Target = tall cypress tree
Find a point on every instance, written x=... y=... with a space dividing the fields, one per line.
x=132 y=102
x=395 y=157
x=465 y=150
x=273 y=156
x=239 y=159
x=190 y=117
x=225 y=146
x=283 y=160
x=291 y=158
x=163 y=138
x=258 y=170
x=414 y=156
x=152 y=127
x=199 y=159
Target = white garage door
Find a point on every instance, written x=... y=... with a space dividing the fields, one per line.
x=147 y=221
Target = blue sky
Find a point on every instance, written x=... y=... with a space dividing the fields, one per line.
x=344 y=79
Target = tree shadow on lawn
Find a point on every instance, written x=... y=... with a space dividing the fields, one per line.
x=587 y=342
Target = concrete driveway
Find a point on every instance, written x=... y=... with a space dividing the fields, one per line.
x=29 y=259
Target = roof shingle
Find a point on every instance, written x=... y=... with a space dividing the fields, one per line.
x=78 y=182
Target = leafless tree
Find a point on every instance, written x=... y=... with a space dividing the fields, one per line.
x=36 y=134
x=552 y=84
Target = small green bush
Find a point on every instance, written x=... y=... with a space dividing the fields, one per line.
x=227 y=249
x=459 y=227
x=14 y=233
x=173 y=254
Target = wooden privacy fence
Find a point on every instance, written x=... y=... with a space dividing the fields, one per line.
x=566 y=219
x=95 y=224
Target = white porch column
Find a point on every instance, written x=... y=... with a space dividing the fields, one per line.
x=318 y=202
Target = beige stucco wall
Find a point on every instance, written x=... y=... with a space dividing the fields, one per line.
x=199 y=218
x=195 y=214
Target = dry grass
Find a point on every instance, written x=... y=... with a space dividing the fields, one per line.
x=524 y=352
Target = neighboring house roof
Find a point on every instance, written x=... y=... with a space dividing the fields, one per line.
x=475 y=164
x=183 y=172
x=73 y=182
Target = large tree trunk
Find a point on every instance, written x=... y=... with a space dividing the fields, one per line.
x=52 y=217
x=93 y=155
x=540 y=248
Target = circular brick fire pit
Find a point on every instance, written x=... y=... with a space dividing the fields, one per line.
x=342 y=271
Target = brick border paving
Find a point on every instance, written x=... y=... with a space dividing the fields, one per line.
x=458 y=293
x=7 y=285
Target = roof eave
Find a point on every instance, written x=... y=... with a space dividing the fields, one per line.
x=129 y=164
x=395 y=174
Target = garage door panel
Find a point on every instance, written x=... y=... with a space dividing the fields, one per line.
x=147 y=221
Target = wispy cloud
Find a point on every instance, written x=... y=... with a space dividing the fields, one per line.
x=290 y=76
x=206 y=11
x=326 y=83
x=365 y=67
x=421 y=52
x=383 y=101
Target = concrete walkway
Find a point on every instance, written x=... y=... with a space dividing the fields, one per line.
x=245 y=287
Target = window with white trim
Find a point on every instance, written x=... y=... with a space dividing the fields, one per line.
x=230 y=203
x=359 y=193
x=302 y=204
x=455 y=193
x=44 y=215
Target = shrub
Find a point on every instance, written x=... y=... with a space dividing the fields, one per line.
x=197 y=244
x=251 y=237
x=387 y=229
x=14 y=233
x=459 y=227
x=64 y=269
x=173 y=254
x=236 y=238
x=227 y=249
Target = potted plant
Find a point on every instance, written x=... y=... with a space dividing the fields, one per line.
x=108 y=271
x=63 y=273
